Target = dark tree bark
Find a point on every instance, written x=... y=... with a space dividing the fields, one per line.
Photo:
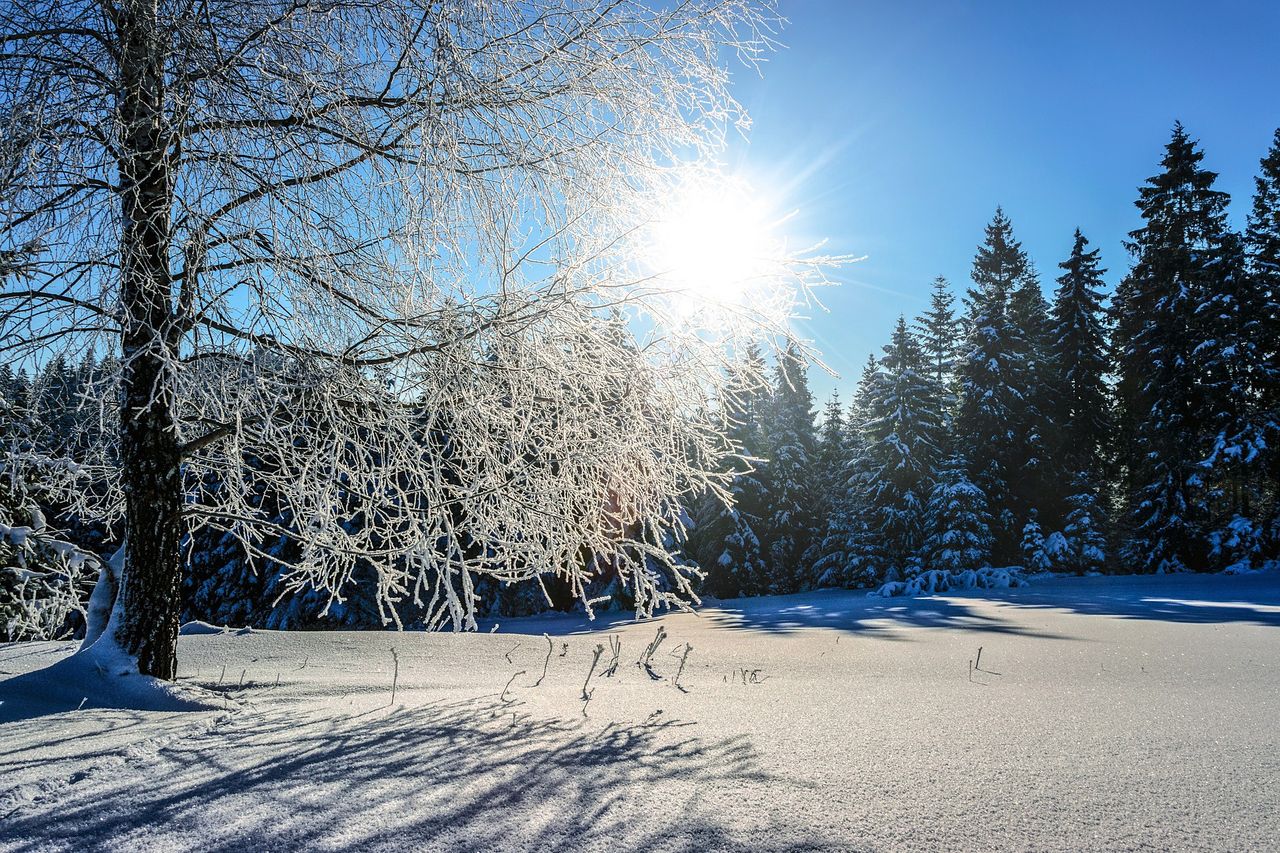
x=150 y=451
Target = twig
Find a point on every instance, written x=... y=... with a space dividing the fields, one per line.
x=586 y=695
x=594 y=660
x=645 y=659
x=546 y=663
x=224 y=673
x=395 y=675
x=503 y=697
x=676 y=681
x=978 y=663
x=508 y=654
x=240 y=686
x=615 y=644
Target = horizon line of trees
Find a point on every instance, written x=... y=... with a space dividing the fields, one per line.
x=999 y=429
x=1058 y=434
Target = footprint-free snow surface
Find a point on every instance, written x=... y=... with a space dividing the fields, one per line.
x=1104 y=713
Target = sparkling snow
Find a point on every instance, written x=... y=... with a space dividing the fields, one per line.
x=1104 y=713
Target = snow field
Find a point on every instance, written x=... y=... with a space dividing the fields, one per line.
x=1105 y=713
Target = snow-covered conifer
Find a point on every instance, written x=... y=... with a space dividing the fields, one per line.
x=959 y=522
x=791 y=491
x=1035 y=557
x=991 y=374
x=903 y=434
x=1085 y=529
x=1178 y=254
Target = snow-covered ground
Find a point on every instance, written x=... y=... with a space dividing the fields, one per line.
x=1106 y=713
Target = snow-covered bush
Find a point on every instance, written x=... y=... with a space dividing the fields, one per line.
x=936 y=581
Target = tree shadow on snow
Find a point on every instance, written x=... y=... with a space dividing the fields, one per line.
x=462 y=775
x=857 y=613
x=1203 y=599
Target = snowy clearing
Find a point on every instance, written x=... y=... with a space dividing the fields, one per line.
x=1105 y=713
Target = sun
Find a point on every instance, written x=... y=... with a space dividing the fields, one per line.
x=714 y=243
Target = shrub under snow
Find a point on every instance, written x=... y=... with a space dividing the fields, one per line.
x=938 y=580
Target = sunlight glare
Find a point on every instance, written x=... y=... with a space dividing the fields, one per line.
x=715 y=243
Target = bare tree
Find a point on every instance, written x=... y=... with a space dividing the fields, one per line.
x=389 y=246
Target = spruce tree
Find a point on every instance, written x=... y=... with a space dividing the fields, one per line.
x=1084 y=530
x=846 y=554
x=1035 y=557
x=992 y=374
x=1262 y=246
x=903 y=434
x=1033 y=485
x=1177 y=267
x=1081 y=412
x=958 y=521
x=938 y=330
x=833 y=453
x=723 y=540
x=792 y=448
x=1229 y=367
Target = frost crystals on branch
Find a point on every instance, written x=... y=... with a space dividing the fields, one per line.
x=374 y=267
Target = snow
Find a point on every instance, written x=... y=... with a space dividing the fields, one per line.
x=1104 y=713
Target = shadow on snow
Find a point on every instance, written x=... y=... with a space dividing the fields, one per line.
x=477 y=774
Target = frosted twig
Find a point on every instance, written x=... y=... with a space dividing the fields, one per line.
x=395 y=675
x=586 y=696
x=546 y=663
x=615 y=644
x=503 y=697
x=645 y=661
x=676 y=681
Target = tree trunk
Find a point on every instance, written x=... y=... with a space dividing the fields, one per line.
x=149 y=450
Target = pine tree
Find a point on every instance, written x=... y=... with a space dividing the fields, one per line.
x=792 y=448
x=1081 y=415
x=1229 y=323
x=833 y=453
x=1262 y=245
x=958 y=522
x=992 y=379
x=1035 y=557
x=938 y=330
x=1034 y=485
x=903 y=434
x=723 y=539
x=846 y=554
x=1178 y=254
x=1084 y=532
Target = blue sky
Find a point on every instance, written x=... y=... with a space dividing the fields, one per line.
x=897 y=126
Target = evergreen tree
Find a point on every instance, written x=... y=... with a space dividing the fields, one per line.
x=1084 y=532
x=1178 y=256
x=958 y=522
x=938 y=330
x=792 y=448
x=1033 y=485
x=833 y=453
x=903 y=434
x=1229 y=324
x=992 y=379
x=847 y=555
x=1081 y=414
x=724 y=541
x=1262 y=245
x=1035 y=557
